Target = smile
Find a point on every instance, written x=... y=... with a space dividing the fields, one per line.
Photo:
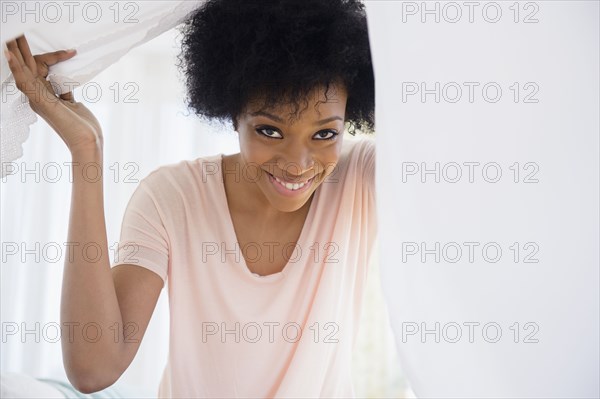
x=288 y=188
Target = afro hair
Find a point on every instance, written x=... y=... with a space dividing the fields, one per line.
x=276 y=51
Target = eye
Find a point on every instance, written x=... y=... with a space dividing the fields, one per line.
x=325 y=135
x=272 y=133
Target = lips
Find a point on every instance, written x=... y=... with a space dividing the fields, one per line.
x=289 y=188
x=291 y=185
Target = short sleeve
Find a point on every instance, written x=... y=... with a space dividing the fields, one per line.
x=144 y=241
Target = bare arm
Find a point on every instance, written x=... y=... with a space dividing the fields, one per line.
x=96 y=302
x=120 y=300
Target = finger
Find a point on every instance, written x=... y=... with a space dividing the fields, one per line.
x=57 y=56
x=38 y=93
x=14 y=65
x=68 y=97
x=14 y=49
x=42 y=67
x=26 y=53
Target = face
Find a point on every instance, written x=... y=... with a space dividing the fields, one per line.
x=287 y=160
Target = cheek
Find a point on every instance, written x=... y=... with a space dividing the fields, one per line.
x=254 y=150
x=328 y=158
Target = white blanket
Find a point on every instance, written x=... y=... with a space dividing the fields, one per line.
x=101 y=32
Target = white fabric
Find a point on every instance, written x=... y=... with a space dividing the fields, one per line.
x=93 y=32
x=557 y=356
x=17 y=385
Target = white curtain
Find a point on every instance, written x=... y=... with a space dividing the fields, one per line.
x=488 y=175
x=102 y=32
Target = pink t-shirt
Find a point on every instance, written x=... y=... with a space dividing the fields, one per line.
x=234 y=333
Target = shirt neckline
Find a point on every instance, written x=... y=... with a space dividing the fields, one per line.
x=231 y=231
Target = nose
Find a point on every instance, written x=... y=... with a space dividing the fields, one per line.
x=296 y=162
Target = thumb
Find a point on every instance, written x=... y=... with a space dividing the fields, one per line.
x=56 y=56
x=68 y=97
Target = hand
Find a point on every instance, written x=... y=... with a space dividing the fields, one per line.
x=73 y=122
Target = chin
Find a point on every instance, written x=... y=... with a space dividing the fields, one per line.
x=288 y=205
x=283 y=202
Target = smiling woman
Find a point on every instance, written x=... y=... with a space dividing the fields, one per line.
x=292 y=154
x=265 y=252
x=293 y=161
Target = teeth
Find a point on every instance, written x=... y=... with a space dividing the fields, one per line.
x=290 y=186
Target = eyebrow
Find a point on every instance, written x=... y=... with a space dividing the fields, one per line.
x=278 y=119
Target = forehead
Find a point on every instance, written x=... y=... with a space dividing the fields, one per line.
x=318 y=105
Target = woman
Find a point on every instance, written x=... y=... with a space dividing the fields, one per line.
x=265 y=252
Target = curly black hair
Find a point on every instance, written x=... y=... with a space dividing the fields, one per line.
x=277 y=51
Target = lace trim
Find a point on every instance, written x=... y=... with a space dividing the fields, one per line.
x=17 y=115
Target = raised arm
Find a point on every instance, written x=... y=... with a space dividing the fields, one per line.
x=117 y=303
